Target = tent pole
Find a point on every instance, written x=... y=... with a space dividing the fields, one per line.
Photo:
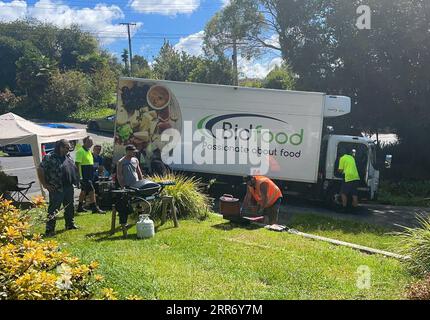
x=37 y=156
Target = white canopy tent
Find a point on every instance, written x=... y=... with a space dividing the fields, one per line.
x=17 y=130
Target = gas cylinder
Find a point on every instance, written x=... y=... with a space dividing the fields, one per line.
x=145 y=227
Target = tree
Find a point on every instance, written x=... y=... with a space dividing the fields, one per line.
x=124 y=58
x=10 y=51
x=212 y=71
x=239 y=22
x=102 y=89
x=74 y=44
x=233 y=28
x=141 y=67
x=8 y=101
x=33 y=73
x=280 y=78
x=66 y=93
x=171 y=64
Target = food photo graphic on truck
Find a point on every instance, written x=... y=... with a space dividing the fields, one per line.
x=227 y=132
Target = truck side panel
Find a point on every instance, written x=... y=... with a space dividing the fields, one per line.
x=293 y=120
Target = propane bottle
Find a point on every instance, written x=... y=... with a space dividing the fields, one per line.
x=145 y=227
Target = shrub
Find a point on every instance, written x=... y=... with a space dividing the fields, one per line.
x=66 y=93
x=415 y=242
x=33 y=268
x=190 y=200
x=8 y=101
x=85 y=114
x=405 y=192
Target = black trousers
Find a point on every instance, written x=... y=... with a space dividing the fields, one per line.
x=123 y=207
x=56 y=199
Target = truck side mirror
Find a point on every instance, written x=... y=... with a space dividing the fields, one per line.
x=388 y=160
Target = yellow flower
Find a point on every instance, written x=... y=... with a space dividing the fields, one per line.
x=12 y=233
x=98 y=278
x=39 y=201
x=94 y=265
x=109 y=294
x=134 y=297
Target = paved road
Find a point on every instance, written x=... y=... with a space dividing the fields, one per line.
x=390 y=217
x=23 y=167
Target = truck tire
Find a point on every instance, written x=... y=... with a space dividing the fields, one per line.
x=333 y=200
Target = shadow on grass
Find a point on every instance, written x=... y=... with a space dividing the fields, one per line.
x=109 y=236
x=311 y=223
x=228 y=226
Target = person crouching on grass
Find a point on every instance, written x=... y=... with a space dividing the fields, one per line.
x=266 y=194
x=85 y=163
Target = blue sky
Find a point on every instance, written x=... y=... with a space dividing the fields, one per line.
x=179 y=21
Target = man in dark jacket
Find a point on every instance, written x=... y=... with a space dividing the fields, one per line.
x=57 y=173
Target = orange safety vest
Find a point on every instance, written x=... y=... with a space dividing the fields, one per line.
x=273 y=192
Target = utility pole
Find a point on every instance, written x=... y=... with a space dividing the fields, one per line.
x=128 y=24
x=235 y=71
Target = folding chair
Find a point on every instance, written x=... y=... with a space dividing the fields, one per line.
x=19 y=190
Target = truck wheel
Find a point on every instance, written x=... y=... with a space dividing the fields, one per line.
x=333 y=200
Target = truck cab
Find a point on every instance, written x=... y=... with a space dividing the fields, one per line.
x=365 y=159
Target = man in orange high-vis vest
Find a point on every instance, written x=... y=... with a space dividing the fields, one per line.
x=266 y=194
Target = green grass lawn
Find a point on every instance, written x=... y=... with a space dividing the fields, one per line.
x=214 y=259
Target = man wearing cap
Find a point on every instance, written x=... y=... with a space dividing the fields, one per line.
x=128 y=170
x=128 y=174
x=266 y=194
x=57 y=174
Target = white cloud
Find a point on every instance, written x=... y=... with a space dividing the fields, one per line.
x=165 y=7
x=225 y=3
x=191 y=44
x=257 y=69
x=12 y=11
x=98 y=20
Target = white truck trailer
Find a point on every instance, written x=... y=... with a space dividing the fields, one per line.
x=303 y=155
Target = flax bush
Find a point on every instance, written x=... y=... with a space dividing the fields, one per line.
x=415 y=242
x=34 y=268
x=190 y=200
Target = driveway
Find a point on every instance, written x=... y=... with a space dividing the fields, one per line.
x=390 y=217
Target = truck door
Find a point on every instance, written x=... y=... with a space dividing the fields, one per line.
x=361 y=159
x=373 y=174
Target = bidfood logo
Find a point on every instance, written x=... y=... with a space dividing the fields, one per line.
x=244 y=126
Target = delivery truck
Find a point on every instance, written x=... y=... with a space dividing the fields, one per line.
x=221 y=131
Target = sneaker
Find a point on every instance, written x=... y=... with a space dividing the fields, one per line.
x=98 y=210
x=72 y=227
x=81 y=209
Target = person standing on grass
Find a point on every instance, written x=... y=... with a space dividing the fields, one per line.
x=266 y=194
x=57 y=174
x=128 y=174
x=348 y=168
x=98 y=165
x=85 y=163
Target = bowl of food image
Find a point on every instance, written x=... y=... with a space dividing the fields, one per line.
x=158 y=97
